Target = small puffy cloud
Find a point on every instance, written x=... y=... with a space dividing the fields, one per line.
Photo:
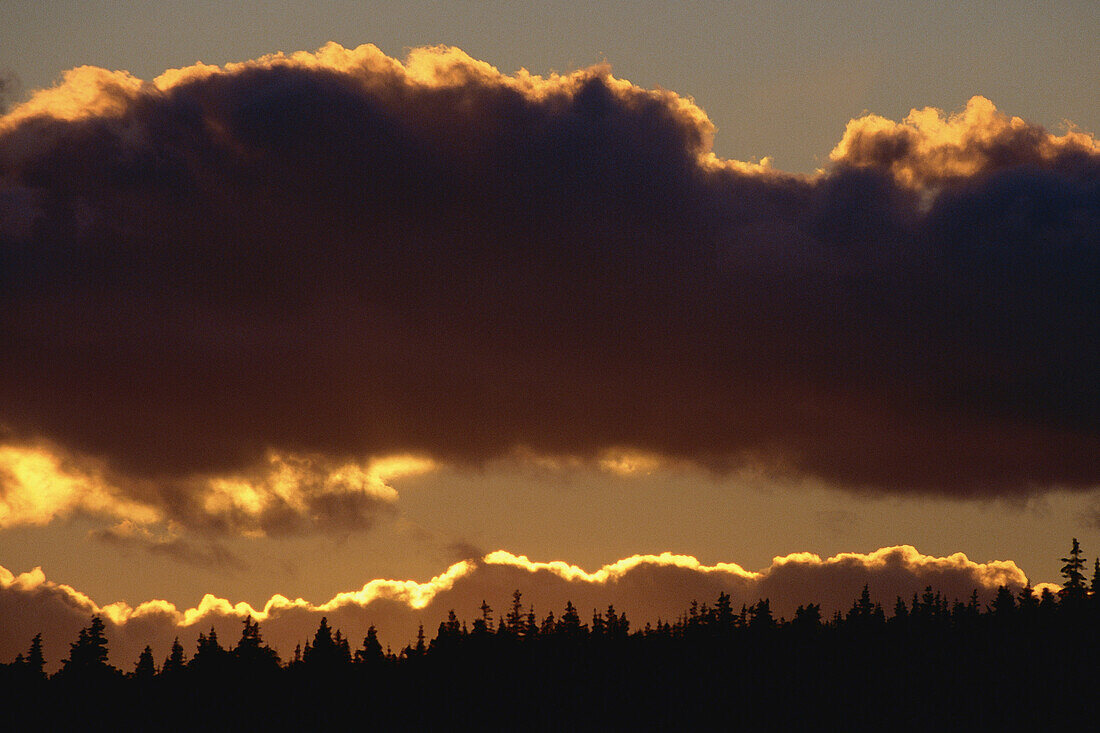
x=336 y=254
x=930 y=148
x=645 y=587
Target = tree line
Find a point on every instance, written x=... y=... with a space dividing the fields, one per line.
x=565 y=667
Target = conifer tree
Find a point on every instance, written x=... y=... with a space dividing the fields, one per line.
x=901 y=612
x=175 y=661
x=484 y=625
x=1074 y=572
x=251 y=650
x=1026 y=599
x=322 y=652
x=209 y=654
x=724 y=612
x=35 y=662
x=1094 y=589
x=145 y=668
x=599 y=624
x=371 y=651
x=1003 y=603
x=531 y=629
x=514 y=620
x=549 y=624
x=570 y=622
x=89 y=653
x=421 y=648
x=762 y=615
x=617 y=623
x=343 y=649
x=807 y=617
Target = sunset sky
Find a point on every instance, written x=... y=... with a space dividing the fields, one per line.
x=633 y=303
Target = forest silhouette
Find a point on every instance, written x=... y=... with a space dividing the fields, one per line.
x=1025 y=660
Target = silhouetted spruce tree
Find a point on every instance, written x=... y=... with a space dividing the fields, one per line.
x=901 y=613
x=618 y=626
x=1003 y=604
x=35 y=662
x=323 y=652
x=723 y=613
x=449 y=632
x=514 y=620
x=599 y=625
x=1027 y=602
x=1048 y=603
x=88 y=654
x=145 y=669
x=862 y=609
x=1074 y=589
x=371 y=651
x=531 y=625
x=570 y=623
x=807 y=617
x=210 y=657
x=1094 y=592
x=421 y=646
x=549 y=624
x=251 y=652
x=484 y=624
x=965 y=615
x=175 y=662
x=761 y=616
x=343 y=649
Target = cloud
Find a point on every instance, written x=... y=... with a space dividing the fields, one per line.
x=37 y=486
x=285 y=494
x=128 y=536
x=339 y=254
x=928 y=149
x=463 y=550
x=645 y=587
x=1091 y=516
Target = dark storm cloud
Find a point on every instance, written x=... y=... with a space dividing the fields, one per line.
x=339 y=254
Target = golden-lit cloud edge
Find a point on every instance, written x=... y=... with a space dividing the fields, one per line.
x=927 y=147
x=646 y=587
x=930 y=147
x=40 y=484
x=90 y=91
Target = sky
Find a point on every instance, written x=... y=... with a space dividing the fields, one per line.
x=373 y=312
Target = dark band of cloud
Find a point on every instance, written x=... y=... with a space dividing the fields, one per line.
x=341 y=254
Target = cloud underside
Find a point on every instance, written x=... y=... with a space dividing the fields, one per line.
x=645 y=587
x=339 y=254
